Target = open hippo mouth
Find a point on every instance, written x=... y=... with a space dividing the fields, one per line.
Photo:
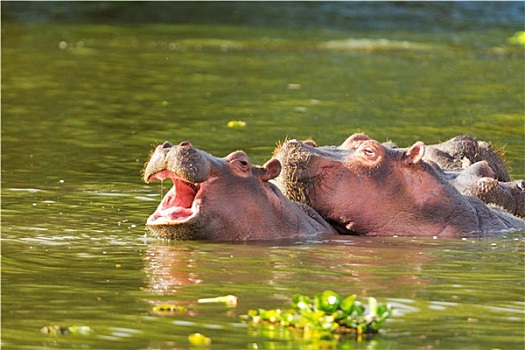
x=180 y=205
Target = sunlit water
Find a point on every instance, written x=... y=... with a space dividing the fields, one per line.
x=83 y=105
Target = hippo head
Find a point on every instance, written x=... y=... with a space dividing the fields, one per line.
x=219 y=198
x=363 y=187
x=460 y=152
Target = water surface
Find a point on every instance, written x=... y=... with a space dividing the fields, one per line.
x=83 y=105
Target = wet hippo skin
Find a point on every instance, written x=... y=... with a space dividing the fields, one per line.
x=470 y=166
x=479 y=180
x=368 y=189
x=456 y=154
x=508 y=195
x=462 y=151
x=224 y=199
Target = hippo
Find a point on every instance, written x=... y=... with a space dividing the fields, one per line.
x=479 y=180
x=462 y=151
x=366 y=188
x=224 y=199
x=456 y=154
x=453 y=159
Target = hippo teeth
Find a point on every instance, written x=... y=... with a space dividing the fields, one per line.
x=193 y=186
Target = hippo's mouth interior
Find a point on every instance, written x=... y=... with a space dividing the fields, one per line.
x=179 y=205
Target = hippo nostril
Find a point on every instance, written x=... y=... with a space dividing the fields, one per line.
x=185 y=143
x=167 y=145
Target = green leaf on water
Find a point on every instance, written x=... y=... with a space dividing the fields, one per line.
x=229 y=300
x=347 y=305
x=58 y=330
x=169 y=309
x=327 y=301
x=197 y=339
x=518 y=38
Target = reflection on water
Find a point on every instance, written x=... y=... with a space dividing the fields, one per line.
x=346 y=262
x=169 y=268
x=82 y=106
x=111 y=284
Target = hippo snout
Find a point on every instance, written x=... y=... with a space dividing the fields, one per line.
x=183 y=160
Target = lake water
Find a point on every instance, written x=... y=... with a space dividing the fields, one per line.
x=83 y=105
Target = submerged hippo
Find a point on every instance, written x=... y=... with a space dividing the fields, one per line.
x=369 y=189
x=479 y=180
x=508 y=195
x=224 y=199
x=462 y=151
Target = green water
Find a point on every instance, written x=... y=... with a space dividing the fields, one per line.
x=83 y=105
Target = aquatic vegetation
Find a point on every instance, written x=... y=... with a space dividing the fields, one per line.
x=58 y=330
x=169 y=310
x=229 y=300
x=236 y=124
x=197 y=339
x=518 y=38
x=326 y=316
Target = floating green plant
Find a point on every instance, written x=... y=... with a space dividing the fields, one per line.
x=169 y=309
x=229 y=300
x=236 y=124
x=197 y=339
x=518 y=38
x=326 y=316
x=57 y=330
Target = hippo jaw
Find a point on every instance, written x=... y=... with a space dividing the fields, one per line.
x=181 y=205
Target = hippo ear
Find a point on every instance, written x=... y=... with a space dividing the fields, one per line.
x=353 y=141
x=415 y=153
x=271 y=170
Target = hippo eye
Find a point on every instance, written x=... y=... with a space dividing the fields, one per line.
x=239 y=161
x=243 y=163
x=242 y=166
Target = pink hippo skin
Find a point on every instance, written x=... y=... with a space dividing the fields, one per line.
x=456 y=154
x=368 y=189
x=486 y=179
x=224 y=199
